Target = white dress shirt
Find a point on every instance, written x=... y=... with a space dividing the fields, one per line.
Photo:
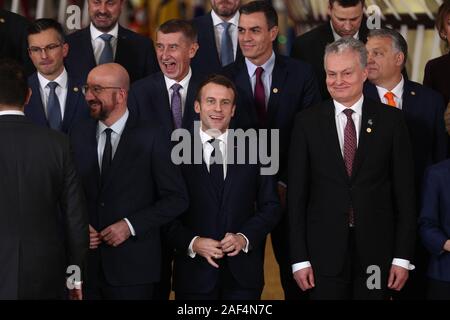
x=117 y=130
x=337 y=37
x=183 y=90
x=60 y=90
x=397 y=91
x=266 y=75
x=341 y=121
x=98 y=44
x=233 y=30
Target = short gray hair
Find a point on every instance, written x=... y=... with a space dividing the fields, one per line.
x=399 y=43
x=347 y=43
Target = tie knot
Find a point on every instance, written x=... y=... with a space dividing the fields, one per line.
x=259 y=72
x=348 y=112
x=108 y=132
x=176 y=87
x=225 y=25
x=52 y=85
x=106 y=37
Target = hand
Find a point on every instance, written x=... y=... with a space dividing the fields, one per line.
x=447 y=118
x=282 y=190
x=447 y=245
x=94 y=238
x=233 y=244
x=208 y=249
x=305 y=278
x=116 y=234
x=397 y=278
x=75 y=294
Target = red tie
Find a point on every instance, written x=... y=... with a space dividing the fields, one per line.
x=260 y=98
x=350 y=145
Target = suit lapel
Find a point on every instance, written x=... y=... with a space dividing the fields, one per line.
x=211 y=39
x=409 y=97
x=162 y=105
x=279 y=76
x=122 y=47
x=243 y=82
x=89 y=57
x=91 y=152
x=35 y=109
x=189 y=113
x=73 y=96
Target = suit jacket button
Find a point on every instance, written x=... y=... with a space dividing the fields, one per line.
x=102 y=204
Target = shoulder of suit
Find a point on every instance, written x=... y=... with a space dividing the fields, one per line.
x=438 y=62
x=439 y=168
x=202 y=20
x=148 y=81
x=295 y=65
x=314 y=35
x=417 y=89
x=129 y=34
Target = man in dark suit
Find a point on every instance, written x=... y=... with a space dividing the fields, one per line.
x=346 y=20
x=105 y=41
x=220 y=239
x=132 y=189
x=38 y=183
x=217 y=37
x=352 y=218
x=56 y=101
x=272 y=89
x=423 y=110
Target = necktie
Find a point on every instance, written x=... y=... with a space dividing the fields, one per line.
x=53 y=108
x=107 y=53
x=175 y=105
x=260 y=98
x=226 y=45
x=107 y=154
x=390 y=99
x=216 y=165
x=350 y=146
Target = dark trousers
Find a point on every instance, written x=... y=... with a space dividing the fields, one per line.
x=164 y=286
x=438 y=290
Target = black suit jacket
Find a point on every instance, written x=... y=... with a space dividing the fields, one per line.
x=206 y=60
x=143 y=186
x=381 y=190
x=40 y=196
x=436 y=75
x=249 y=205
x=423 y=111
x=76 y=108
x=134 y=52
x=149 y=98
x=294 y=88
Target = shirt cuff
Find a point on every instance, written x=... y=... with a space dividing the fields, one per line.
x=247 y=243
x=300 y=266
x=133 y=233
x=403 y=263
x=281 y=183
x=190 y=251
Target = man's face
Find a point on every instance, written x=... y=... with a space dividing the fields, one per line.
x=345 y=77
x=216 y=107
x=104 y=14
x=103 y=103
x=346 y=21
x=255 y=38
x=50 y=61
x=384 y=63
x=174 y=52
x=225 y=8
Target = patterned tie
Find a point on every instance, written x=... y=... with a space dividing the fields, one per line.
x=226 y=45
x=390 y=99
x=350 y=146
x=107 y=155
x=216 y=165
x=53 y=108
x=107 y=53
x=260 y=98
x=175 y=105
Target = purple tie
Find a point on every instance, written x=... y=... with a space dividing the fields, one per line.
x=350 y=146
x=175 y=105
x=260 y=98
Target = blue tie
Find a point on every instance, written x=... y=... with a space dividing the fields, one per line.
x=175 y=105
x=53 y=108
x=107 y=53
x=226 y=45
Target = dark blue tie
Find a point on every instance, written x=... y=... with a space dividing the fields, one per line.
x=107 y=53
x=226 y=45
x=53 y=108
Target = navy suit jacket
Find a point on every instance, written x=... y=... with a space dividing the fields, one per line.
x=294 y=88
x=134 y=52
x=149 y=99
x=143 y=186
x=423 y=110
x=206 y=60
x=435 y=219
x=76 y=108
x=248 y=205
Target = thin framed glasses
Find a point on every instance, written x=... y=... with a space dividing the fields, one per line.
x=96 y=89
x=39 y=50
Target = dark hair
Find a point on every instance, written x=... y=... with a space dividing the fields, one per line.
x=347 y=3
x=264 y=7
x=398 y=42
x=216 y=79
x=13 y=84
x=179 y=25
x=443 y=12
x=45 y=24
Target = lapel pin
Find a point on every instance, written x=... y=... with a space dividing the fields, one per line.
x=275 y=90
x=369 y=130
x=2 y=20
x=370 y=122
x=413 y=93
x=75 y=89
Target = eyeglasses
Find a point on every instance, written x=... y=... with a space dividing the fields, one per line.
x=96 y=89
x=50 y=48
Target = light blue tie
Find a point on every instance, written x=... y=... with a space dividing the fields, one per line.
x=53 y=108
x=107 y=53
x=226 y=45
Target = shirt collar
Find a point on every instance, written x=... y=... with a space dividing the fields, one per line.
x=336 y=36
x=397 y=91
x=61 y=80
x=117 y=127
x=11 y=112
x=357 y=107
x=206 y=137
x=95 y=33
x=217 y=20
x=268 y=66
x=184 y=83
